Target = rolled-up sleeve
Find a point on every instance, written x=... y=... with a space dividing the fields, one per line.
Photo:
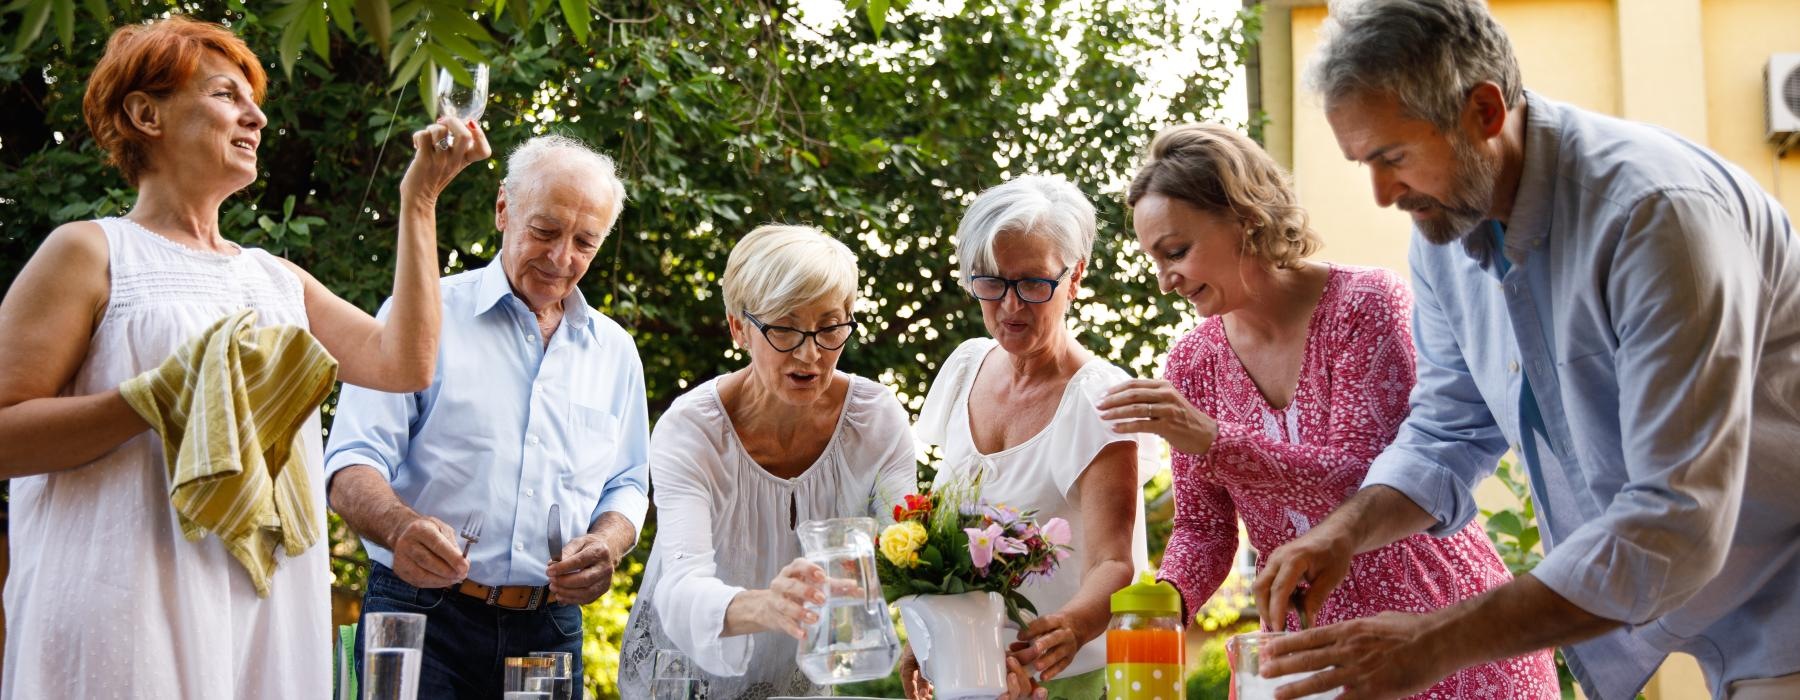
x=627 y=490
x=1683 y=310
x=1449 y=441
x=372 y=428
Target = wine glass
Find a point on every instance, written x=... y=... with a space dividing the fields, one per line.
x=461 y=94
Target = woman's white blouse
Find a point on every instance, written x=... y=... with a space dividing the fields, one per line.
x=1040 y=473
x=724 y=525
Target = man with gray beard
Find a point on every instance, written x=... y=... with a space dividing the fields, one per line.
x=1622 y=312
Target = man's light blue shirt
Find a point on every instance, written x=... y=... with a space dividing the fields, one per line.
x=1651 y=309
x=508 y=427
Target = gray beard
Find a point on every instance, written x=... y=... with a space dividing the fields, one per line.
x=1471 y=194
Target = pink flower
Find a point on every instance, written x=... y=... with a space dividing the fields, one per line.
x=1056 y=532
x=1008 y=545
x=981 y=545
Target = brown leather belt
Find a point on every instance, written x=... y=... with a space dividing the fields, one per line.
x=507 y=597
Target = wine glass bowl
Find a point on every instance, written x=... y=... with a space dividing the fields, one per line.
x=461 y=95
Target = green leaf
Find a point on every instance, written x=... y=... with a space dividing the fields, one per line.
x=98 y=10
x=402 y=50
x=65 y=24
x=341 y=15
x=461 y=47
x=318 y=32
x=266 y=223
x=1505 y=522
x=577 y=15
x=447 y=61
x=287 y=207
x=377 y=19
x=289 y=47
x=36 y=15
x=877 y=13
x=409 y=71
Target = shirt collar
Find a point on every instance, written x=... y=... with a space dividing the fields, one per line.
x=1528 y=225
x=493 y=288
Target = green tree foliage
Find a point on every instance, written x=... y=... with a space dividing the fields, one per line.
x=877 y=124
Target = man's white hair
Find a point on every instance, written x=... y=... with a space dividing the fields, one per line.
x=527 y=165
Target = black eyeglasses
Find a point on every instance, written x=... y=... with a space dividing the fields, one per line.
x=1031 y=290
x=785 y=339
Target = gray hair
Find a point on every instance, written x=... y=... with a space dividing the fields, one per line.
x=1041 y=205
x=527 y=165
x=1427 y=54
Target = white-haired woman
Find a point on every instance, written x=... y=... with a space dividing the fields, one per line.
x=1018 y=408
x=738 y=462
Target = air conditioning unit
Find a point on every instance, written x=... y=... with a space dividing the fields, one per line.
x=1781 y=98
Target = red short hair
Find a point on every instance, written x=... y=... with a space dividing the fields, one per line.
x=154 y=58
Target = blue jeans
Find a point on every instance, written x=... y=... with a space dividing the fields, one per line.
x=466 y=640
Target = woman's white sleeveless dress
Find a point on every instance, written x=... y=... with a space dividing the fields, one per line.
x=105 y=598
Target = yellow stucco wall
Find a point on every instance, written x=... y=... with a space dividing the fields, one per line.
x=1739 y=35
x=1693 y=66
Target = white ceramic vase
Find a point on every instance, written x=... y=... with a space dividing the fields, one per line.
x=960 y=641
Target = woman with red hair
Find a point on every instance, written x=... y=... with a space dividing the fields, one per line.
x=106 y=597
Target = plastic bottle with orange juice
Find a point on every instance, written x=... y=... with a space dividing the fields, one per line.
x=1145 y=651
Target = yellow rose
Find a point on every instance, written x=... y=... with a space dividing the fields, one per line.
x=901 y=541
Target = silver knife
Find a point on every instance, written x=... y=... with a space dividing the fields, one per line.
x=556 y=540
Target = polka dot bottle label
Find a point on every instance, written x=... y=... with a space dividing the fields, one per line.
x=1144 y=665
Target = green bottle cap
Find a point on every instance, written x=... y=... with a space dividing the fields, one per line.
x=1148 y=595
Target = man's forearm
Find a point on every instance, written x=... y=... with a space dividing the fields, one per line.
x=616 y=531
x=368 y=504
x=1376 y=517
x=1518 y=618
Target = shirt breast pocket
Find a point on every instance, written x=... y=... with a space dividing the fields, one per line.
x=593 y=447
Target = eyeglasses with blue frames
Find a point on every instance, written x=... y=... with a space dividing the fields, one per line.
x=785 y=339
x=1031 y=290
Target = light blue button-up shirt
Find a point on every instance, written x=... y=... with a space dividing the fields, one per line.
x=508 y=427
x=1652 y=307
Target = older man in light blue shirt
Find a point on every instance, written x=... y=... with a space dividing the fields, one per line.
x=1621 y=310
x=535 y=428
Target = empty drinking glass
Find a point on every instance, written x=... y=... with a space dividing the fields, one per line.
x=1244 y=655
x=391 y=644
x=562 y=686
x=676 y=678
x=529 y=678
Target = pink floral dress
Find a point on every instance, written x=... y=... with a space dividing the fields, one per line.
x=1283 y=470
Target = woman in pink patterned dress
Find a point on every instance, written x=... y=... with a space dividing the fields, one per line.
x=1276 y=404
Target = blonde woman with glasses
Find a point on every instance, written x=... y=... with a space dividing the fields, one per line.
x=740 y=461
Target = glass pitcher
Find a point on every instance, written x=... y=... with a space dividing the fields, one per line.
x=854 y=639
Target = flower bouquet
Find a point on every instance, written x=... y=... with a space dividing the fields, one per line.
x=954 y=564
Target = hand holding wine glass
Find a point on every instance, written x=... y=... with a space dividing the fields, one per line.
x=444 y=148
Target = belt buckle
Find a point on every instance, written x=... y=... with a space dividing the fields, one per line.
x=493 y=595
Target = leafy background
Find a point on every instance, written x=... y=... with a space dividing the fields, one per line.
x=876 y=122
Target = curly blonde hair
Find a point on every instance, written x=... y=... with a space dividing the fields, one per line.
x=1220 y=171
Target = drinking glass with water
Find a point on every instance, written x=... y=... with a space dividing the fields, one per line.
x=562 y=682
x=391 y=644
x=676 y=677
x=529 y=678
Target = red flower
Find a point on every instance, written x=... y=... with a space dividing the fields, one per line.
x=916 y=506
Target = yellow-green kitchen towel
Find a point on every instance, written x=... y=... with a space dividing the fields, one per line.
x=229 y=406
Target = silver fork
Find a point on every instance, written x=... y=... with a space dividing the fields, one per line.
x=471 y=532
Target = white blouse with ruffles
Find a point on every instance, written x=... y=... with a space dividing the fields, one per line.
x=1040 y=473
x=725 y=524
